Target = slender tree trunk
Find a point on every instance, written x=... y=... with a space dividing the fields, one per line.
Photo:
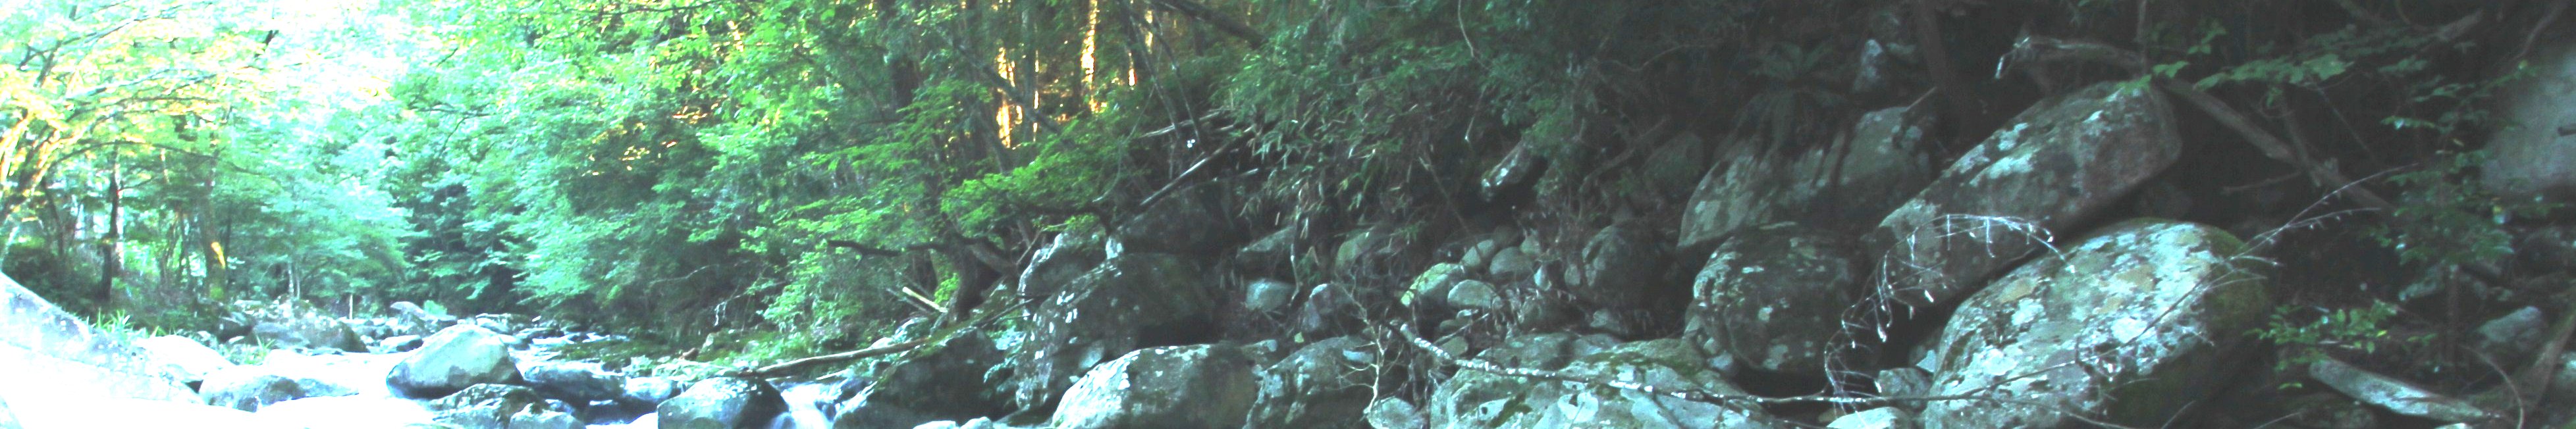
x=110 y=262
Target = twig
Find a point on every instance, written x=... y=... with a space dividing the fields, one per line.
x=939 y=335
x=784 y=367
x=1150 y=199
x=2546 y=18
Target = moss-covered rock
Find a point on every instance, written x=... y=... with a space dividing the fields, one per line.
x=1879 y=168
x=1201 y=386
x=949 y=382
x=1133 y=301
x=2049 y=169
x=1477 y=399
x=1323 y=385
x=1774 y=297
x=2129 y=325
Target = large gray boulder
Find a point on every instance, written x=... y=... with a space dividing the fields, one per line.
x=1272 y=254
x=1624 y=272
x=2532 y=156
x=453 y=359
x=1133 y=301
x=2049 y=169
x=1775 y=298
x=579 y=382
x=1879 y=167
x=1323 y=385
x=247 y=389
x=186 y=359
x=1201 y=386
x=1331 y=309
x=947 y=381
x=1481 y=399
x=56 y=371
x=309 y=333
x=1071 y=255
x=722 y=403
x=650 y=391
x=2130 y=325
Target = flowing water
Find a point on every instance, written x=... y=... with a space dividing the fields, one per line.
x=809 y=405
x=374 y=404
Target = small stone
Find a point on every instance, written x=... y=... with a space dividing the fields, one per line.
x=1543 y=314
x=1510 y=262
x=1609 y=322
x=1452 y=325
x=1475 y=294
x=1455 y=346
x=1393 y=413
x=1434 y=283
x=1267 y=295
x=1904 y=381
x=1480 y=253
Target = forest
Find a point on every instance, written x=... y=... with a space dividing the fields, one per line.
x=747 y=183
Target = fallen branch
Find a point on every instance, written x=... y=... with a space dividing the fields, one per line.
x=2547 y=363
x=793 y=365
x=940 y=335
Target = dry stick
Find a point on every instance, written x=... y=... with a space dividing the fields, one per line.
x=2547 y=363
x=2545 y=19
x=937 y=335
x=792 y=365
x=1185 y=174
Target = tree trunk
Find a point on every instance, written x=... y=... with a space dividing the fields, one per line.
x=110 y=263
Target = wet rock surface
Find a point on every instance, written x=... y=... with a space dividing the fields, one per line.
x=1165 y=387
x=2047 y=171
x=951 y=382
x=1776 y=298
x=2130 y=325
x=722 y=403
x=453 y=359
x=1323 y=385
x=1130 y=302
x=1482 y=399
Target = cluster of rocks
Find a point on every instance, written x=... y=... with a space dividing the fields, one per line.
x=478 y=383
x=2004 y=280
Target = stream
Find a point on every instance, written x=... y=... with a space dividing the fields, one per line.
x=374 y=405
